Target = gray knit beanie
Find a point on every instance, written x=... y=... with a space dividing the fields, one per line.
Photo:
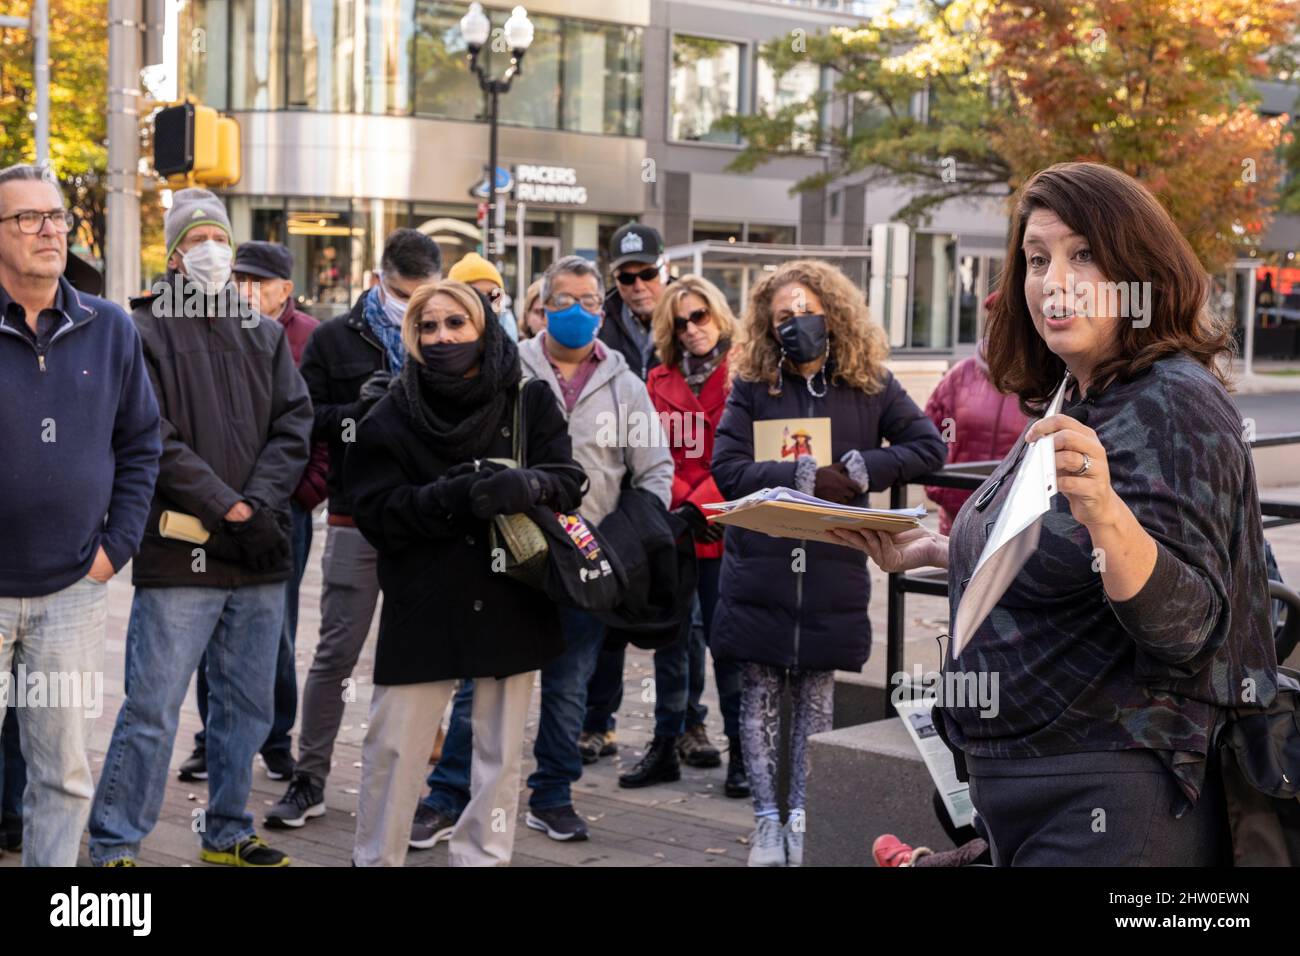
x=190 y=208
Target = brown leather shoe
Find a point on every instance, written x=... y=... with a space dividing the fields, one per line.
x=695 y=750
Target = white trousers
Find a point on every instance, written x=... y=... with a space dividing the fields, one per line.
x=404 y=719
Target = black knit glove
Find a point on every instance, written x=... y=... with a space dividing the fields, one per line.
x=374 y=388
x=451 y=491
x=263 y=541
x=693 y=517
x=834 y=484
x=507 y=492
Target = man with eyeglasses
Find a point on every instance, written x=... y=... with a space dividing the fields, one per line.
x=640 y=272
x=348 y=364
x=79 y=433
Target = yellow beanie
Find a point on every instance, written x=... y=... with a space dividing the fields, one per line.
x=473 y=267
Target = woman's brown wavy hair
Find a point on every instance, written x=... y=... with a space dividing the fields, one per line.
x=858 y=347
x=1132 y=239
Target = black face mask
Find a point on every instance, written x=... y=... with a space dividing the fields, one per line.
x=452 y=359
x=803 y=337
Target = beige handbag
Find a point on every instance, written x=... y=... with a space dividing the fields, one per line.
x=523 y=543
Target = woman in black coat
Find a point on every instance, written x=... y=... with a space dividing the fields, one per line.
x=797 y=610
x=424 y=492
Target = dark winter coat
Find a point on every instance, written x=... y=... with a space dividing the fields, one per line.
x=815 y=619
x=236 y=421
x=340 y=355
x=447 y=614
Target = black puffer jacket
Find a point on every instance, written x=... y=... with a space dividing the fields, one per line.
x=447 y=614
x=768 y=612
x=340 y=355
x=236 y=421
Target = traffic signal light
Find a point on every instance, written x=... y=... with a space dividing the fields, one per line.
x=192 y=143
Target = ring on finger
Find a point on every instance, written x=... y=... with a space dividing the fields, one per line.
x=1083 y=469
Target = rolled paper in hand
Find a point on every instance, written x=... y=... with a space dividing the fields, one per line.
x=182 y=527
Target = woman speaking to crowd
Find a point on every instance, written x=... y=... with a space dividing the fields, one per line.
x=1143 y=613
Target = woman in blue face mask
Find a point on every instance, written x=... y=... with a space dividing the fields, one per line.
x=809 y=350
x=424 y=493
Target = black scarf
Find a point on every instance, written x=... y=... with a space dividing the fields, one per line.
x=458 y=416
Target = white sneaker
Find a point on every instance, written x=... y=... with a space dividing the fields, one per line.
x=795 y=828
x=767 y=847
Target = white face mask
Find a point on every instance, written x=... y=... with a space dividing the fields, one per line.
x=394 y=310
x=208 y=264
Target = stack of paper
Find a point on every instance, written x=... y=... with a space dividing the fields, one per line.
x=786 y=513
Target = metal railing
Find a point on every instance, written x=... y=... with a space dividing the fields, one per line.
x=968 y=476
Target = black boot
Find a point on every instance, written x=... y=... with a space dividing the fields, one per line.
x=737 y=784
x=659 y=765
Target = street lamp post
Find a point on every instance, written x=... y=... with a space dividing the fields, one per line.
x=518 y=32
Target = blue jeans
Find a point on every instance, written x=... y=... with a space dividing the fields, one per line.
x=680 y=669
x=564 y=701
x=13 y=769
x=449 y=780
x=286 y=675
x=605 y=690
x=170 y=630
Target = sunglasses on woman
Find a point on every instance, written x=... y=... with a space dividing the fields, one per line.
x=698 y=317
x=454 y=323
x=645 y=275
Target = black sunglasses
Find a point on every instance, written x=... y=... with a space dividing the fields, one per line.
x=453 y=322
x=697 y=317
x=645 y=275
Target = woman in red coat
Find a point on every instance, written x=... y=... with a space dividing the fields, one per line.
x=692 y=328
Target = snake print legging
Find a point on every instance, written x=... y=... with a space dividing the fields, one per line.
x=760 y=728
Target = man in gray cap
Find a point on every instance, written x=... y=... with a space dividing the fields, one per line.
x=236 y=423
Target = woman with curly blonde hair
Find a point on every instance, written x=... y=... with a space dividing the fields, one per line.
x=808 y=351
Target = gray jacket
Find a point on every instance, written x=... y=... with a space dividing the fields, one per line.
x=614 y=429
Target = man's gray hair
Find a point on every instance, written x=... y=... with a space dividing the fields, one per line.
x=570 y=265
x=26 y=172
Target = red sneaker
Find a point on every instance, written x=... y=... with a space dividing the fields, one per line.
x=889 y=850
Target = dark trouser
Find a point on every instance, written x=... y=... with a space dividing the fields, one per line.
x=13 y=769
x=680 y=669
x=605 y=689
x=286 y=675
x=449 y=780
x=1114 y=808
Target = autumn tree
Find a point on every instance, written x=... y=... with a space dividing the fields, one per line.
x=969 y=98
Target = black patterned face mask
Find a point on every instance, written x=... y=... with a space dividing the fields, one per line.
x=803 y=337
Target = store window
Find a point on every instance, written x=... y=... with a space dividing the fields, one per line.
x=760 y=232
x=388 y=30
x=444 y=85
x=797 y=86
x=602 y=78
x=705 y=87
x=257 y=70
x=452 y=227
x=320 y=236
x=934 y=290
x=703 y=230
x=320 y=47
x=202 y=48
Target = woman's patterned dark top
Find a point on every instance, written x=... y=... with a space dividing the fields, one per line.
x=1078 y=672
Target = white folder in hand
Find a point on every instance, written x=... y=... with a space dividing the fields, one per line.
x=1015 y=534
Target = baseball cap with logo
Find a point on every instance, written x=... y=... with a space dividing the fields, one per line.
x=635 y=243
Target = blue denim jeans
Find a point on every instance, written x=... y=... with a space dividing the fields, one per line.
x=286 y=674
x=564 y=702
x=449 y=780
x=680 y=669
x=169 y=631
x=605 y=690
x=55 y=637
x=13 y=768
